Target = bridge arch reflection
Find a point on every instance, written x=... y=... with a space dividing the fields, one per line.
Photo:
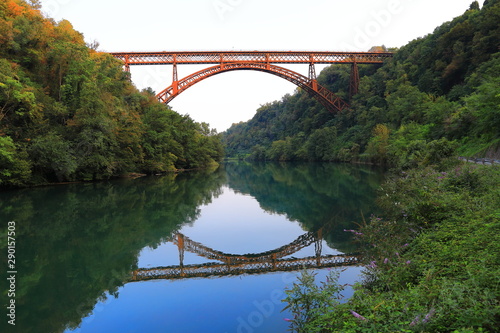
x=236 y=264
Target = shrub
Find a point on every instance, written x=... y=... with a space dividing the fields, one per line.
x=431 y=264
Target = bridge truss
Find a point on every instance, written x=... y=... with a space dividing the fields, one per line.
x=218 y=269
x=235 y=264
x=264 y=61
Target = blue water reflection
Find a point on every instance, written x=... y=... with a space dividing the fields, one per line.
x=231 y=223
x=80 y=246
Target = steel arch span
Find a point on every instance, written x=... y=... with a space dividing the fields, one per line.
x=322 y=94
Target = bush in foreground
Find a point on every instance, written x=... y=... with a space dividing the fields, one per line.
x=432 y=262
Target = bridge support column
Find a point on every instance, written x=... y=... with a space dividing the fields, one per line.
x=126 y=64
x=180 y=246
x=312 y=76
x=312 y=71
x=318 y=246
x=175 y=80
x=354 y=82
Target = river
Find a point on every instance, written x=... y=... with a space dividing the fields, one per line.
x=192 y=252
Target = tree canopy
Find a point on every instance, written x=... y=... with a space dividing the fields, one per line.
x=68 y=112
x=439 y=89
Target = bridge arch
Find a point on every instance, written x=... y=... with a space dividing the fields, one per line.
x=328 y=99
x=186 y=244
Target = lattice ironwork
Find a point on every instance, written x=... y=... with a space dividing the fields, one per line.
x=275 y=57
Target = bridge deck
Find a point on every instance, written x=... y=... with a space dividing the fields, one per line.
x=272 y=57
x=217 y=269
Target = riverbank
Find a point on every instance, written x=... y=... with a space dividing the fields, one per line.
x=211 y=166
x=431 y=259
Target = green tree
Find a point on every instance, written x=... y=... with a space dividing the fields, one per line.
x=484 y=105
x=15 y=168
x=320 y=145
x=279 y=151
x=16 y=98
x=377 y=147
x=407 y=104
x=53 y=156
x=474 y=6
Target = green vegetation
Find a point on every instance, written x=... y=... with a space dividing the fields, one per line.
x=439 y=92
x=310 y=302
x=432 y=262
x=70 y=113
x=432 y=258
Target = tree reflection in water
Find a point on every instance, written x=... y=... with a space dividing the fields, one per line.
x=78 y=243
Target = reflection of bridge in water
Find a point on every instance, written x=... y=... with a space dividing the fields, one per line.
x=233 y=264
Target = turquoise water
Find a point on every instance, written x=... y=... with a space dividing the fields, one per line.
x=79 y=245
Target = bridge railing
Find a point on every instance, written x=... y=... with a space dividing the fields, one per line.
x=275 y=57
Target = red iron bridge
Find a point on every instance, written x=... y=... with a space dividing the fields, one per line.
x=264 y=61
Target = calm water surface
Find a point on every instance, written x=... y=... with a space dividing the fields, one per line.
x=79 y=245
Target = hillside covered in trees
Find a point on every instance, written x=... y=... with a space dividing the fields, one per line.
x=68 y=112
x=438 y=96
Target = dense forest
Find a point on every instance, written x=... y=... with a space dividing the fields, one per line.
x=437 y=96
x=431 y=257
x=69 y=113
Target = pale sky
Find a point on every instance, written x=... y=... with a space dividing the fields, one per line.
x=224 y=25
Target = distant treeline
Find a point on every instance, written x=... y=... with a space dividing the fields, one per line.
x=68 y=112
x=438 y=96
